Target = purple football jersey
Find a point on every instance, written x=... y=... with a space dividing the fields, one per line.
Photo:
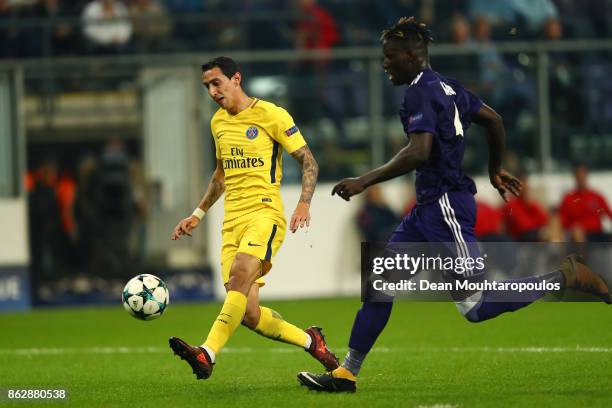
x=444 y=108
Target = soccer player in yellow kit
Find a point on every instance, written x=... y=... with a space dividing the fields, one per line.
x=249 y=136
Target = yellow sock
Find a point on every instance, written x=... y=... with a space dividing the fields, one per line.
x=272 y=326
x=342 y=372
x=229 y=318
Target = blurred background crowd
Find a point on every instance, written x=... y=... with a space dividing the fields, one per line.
x=34 y=28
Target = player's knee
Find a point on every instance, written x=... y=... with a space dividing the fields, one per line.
x=239 y=282
x=242 y=275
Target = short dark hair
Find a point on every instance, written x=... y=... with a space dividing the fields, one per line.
x=227 y=65
x=410 y=31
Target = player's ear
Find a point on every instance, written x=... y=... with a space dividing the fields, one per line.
x=237 y=78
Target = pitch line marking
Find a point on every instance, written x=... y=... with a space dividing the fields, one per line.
x=438 y=406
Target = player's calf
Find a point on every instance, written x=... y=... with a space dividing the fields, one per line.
x=251 y=318
x=252 y=315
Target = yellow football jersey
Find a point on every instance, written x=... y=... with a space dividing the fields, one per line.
x=250 y=144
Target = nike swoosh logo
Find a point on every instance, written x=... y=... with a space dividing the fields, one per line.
x=253 y=244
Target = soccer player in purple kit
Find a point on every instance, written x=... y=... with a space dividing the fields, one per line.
x=436 y=113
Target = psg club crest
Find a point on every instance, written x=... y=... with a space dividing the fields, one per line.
x=251 y=133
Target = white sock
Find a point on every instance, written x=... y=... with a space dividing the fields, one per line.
x=308 y=342
x=211 y=353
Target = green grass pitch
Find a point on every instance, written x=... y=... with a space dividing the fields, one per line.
x=548 y=355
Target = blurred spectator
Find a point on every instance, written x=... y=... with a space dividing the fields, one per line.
x=582 y=209
x=460 y=30
x=190 y=34
x=534 y=15
x=376 y=220
x=490 y=230
x=567 y=99
x=66 y=196
x=378 y=15
x=553 y=30
x=317 y=28
x=510 y=88
x=462 y=66
x=595 y=72
x=444 y=14
x=140 y=194
x=151 y=24
x=598 y=16
x=56 y=36
x=273 y=33
x=494 y=12
x=492 y=65
x=525 y=217
x=86 y=213
x=107 y=26
x=315 y=92
x=44 y=224
x=494 y=72
x=14 y=41
x=6 y=42
x=489 y=223
x=574 y=16
x=223 y=31
x=354 y=26
x=115 y=208
x=527 y=17
x=66 y=191
x=337 y=83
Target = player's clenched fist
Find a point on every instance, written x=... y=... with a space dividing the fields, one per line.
x=348 y=188
x=185 y=227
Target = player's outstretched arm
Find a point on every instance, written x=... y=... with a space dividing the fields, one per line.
x=496 y=139
x=310 y=172
x=215 y=189
x=408 y=159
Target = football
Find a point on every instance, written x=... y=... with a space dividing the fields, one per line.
x=145 y=297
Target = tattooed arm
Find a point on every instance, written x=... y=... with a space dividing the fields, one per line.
x=215 y=189
x=310 y=172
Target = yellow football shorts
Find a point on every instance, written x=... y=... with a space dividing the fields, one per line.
x=258 y=233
